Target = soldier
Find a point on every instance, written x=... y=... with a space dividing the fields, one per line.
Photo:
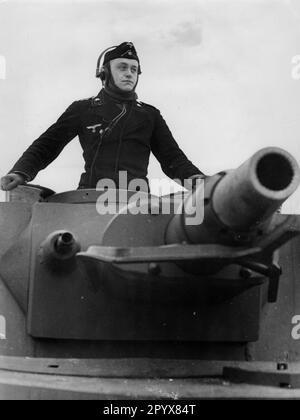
x=116 y=131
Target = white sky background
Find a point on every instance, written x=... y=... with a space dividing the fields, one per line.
x=219 y=71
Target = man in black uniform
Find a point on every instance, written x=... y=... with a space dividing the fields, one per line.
x=116 y=131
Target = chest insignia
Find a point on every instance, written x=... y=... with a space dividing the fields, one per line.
x=93 y=127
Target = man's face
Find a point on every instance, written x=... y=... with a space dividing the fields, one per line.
x=125 y=73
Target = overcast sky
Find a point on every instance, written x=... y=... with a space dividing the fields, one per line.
x=219 y=71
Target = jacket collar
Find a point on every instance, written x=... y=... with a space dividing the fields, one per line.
x=104 y=97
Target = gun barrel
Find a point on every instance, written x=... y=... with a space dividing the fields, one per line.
x=239 y=200
x=255 y=190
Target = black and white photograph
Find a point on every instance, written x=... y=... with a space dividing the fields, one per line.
x=149 y=202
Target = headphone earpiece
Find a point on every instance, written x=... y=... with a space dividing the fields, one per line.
x=102 y=74
x=100 y=69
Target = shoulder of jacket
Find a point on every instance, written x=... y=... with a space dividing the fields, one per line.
x=86 y=102
x=79 y=104
x=82 y=105
x=147 y=106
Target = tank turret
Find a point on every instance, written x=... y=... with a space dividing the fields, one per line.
x=114 y=285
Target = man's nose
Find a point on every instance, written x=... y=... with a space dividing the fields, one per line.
x=128 y=73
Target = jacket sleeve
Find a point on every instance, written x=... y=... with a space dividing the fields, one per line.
x=173 y=161
x=49 y=145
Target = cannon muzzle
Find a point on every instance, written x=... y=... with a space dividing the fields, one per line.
x=238 y=200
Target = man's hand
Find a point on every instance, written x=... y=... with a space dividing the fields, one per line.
x=11 y=181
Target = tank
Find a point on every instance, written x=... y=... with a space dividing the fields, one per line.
x=119 y=294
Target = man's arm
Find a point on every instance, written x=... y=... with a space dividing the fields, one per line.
x=45 y=149
x=173 y=161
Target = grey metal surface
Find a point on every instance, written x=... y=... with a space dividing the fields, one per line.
x=280 y=378
x=106 y=304
x=139 y=367
x=82 y=196
x=35 y=387
x=167 y=253
x=276 y=341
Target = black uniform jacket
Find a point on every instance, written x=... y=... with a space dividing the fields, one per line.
x=115 y=136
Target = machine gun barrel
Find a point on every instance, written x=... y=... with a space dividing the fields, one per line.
x=238 y=200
